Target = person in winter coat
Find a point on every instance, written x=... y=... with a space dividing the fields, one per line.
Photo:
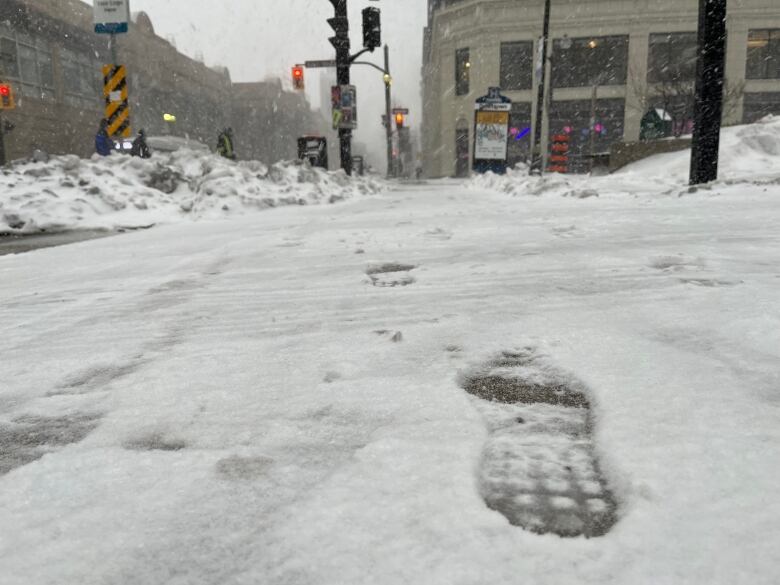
x=225 y=144
x=104 y=146
x=140 y=148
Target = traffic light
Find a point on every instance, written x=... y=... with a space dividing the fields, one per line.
x=340 y=24
x=297 y=78
x=399 y=120
x=6 y=97
x=372 y=28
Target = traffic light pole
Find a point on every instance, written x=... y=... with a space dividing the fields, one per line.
x=537 y=158
x=388 y=114
x=343 y=61
x=710 y=73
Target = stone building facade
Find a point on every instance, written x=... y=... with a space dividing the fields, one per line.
x=630 y=55
x=53 y=59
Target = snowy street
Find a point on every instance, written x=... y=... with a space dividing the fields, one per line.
x=262 y=399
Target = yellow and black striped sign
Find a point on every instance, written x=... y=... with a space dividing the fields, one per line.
x=117 y=105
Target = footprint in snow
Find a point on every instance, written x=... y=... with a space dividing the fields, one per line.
x=539 y=468
x=390 y=275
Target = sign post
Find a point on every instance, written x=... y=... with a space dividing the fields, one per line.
x=491 y=132
x=112 y=17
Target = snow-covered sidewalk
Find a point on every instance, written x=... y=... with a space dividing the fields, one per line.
x=229 y=402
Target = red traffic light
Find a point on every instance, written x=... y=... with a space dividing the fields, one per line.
x=5 y=90
x=297 y=77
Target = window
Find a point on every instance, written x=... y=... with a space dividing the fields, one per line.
x=573 y=118
x=45 y=69
x=28 y=64
x=519 y=133
x=517 y=65
x=462 y=71
x=9 y=66
x=763 y=60
x=758 y=105
x=672 y=57
x=590 y=61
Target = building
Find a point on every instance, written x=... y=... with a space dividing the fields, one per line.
x=53 y=59
x=625 y=57
x=268 y=120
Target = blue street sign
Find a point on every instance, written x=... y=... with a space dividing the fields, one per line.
x=113 y=28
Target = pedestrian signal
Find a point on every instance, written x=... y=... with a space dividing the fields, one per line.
x=399 y=120
x=6 y=97
x=297 y=78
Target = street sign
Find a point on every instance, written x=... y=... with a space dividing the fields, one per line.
x=320 y=64
x=111 y=16
x=491 y=132
x=344 y=104
x=117 y=105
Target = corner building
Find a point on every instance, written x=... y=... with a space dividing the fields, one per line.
x=632 y=56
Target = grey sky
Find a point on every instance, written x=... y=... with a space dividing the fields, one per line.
x=264 y=38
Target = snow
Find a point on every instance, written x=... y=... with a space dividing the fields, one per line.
x=188 y=184
x=749 y=154
x=221 y=402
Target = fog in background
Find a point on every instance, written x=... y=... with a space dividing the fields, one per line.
x=259 y=39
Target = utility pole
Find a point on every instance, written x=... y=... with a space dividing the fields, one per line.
x=388 y=119
x=537 y=158
x=710 y=73
x=340 y=24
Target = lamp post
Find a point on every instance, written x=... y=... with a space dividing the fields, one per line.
x=537 y=158
x=388 y=105
x=388 y=80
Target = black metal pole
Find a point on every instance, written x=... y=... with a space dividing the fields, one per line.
x=710 y=74
x=388 y=114
x=343 y=62
x=2 y=141
x=537 y=158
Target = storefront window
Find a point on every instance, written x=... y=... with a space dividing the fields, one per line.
x=590 y=61
x=573 y=119
x=519 y=133
x=763 y=60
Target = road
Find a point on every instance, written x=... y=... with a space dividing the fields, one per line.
x=18 y=244
x=301 y=395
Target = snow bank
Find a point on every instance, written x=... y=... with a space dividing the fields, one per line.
x=749 y=154
x=120 y=191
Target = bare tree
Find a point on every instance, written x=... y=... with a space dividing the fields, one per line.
x=677 y=97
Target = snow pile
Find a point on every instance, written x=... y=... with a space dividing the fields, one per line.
x=68 y=192
x=749 y=154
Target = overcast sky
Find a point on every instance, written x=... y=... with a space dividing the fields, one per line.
x=257 y=39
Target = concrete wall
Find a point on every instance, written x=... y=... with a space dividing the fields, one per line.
x=482 y=25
